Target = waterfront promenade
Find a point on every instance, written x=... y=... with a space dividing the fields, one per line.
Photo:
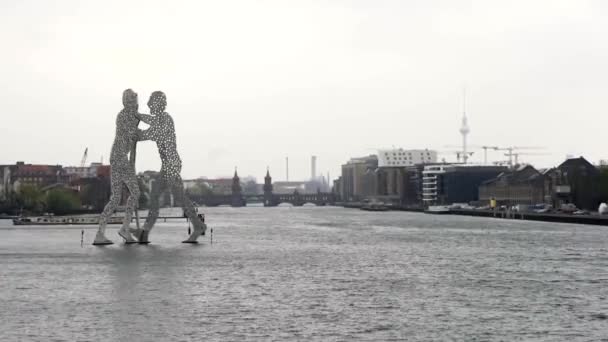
x=587 y=219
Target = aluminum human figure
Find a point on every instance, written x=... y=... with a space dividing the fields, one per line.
x=123 y=169
x=162 y=131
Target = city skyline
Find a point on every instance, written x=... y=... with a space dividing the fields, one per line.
x=263 y=81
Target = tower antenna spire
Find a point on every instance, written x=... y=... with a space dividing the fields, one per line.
x=464 y=100
x=464 y=129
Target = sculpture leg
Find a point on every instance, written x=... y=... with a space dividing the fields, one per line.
x=177 y=187
x=100 y=238
x=143 y=234
x=132 y=201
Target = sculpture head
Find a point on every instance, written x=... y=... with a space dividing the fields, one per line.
x=129 y=99
x=157 y=102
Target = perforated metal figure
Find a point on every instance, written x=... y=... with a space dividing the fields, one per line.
x=123 y=169
x=162 y=131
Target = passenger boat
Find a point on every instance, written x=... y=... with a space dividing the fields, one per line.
x=62 y=220
x=374 y=207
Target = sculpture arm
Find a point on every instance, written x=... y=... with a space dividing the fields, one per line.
x=143 y=135
x=148 y=133
x=148 y=119
x=140 y=135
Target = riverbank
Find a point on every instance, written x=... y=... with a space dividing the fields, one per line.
x=358 y=205
x=591 y=219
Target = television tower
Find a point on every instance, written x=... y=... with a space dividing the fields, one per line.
x=464 y=129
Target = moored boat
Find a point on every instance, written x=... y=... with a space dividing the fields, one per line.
x=374 y=207
x=62 y=220
x=437 y=209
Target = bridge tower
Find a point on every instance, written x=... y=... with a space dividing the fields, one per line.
x=237 y=191
x=268 y=202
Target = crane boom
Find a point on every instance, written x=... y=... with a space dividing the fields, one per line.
x=511 y=152
x=84 y=157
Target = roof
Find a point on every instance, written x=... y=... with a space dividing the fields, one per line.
x=56 y=186
x=30 y=168
x=576 y=162
x=27 y=170
x=524 y=173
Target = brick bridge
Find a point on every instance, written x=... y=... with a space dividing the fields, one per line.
x=269 y=199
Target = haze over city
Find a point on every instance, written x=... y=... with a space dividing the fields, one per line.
x=249 y=83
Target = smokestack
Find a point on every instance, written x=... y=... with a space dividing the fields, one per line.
x=287 y=168
x=313 y=168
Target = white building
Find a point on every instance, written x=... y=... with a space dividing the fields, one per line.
x=400 y=157
x=429 y=182
x=76 y=172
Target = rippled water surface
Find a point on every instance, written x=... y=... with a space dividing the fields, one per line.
x=324 y=274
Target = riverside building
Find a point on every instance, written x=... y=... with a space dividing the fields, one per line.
x=398 y=176
x=358 y=179
x=455 y=183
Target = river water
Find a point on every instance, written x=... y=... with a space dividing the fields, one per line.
x=309 y=274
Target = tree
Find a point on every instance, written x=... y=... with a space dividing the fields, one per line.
x=31 y=198
x=200 y=189
x=94 y=192
x=61 y=202
x=144 y=196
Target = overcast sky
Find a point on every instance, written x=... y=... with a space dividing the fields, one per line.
x=250 y=82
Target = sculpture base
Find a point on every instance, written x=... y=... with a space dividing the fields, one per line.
x=196 y=233
x=141 y=235
x=101 y=240
x=102 y=243
x=193 y=237
x=126 y=235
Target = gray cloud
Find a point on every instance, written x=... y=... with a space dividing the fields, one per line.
x=332 y=78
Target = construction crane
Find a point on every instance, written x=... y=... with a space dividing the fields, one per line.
x=462 y=153
x=485 y=152
x=500 y=162
x=84 y=157
x=515 y=155
x=459 y=154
